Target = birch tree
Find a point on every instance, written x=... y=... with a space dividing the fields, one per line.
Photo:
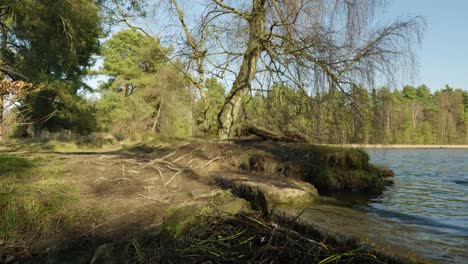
x=310 y=45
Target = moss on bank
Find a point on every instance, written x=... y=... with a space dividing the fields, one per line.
x=330 y=169
x=334 y=169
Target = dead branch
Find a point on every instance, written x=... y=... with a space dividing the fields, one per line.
x=152 y=198
x=172 y=168
x=184 y=156
x=173 y=177
x=209 y=162
x=160 y=173
x=161 y=160
x=177 y=173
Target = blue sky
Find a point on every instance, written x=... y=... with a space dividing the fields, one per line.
x=443 y=56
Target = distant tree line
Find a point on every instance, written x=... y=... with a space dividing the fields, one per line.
x=411 y=115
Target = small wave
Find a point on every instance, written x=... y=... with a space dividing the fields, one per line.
x=461 y=182
x=417 y=219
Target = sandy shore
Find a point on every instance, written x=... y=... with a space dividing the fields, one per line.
x=368 y=146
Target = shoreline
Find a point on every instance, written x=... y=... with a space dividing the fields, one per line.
x=400 y=146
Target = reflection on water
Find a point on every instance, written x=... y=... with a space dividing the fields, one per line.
x=424 y=211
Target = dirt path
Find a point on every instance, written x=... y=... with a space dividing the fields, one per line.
x=122 y=194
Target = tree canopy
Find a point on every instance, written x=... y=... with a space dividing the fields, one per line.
x=50 y=43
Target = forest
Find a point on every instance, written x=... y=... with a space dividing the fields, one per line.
x=150 y=90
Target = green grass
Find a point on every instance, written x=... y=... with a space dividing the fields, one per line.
x=14 y=164
x=32 y=199
x=83 y=144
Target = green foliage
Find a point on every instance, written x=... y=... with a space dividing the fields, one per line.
x=412 y=115
x=145 y=97
x=129 y=55
x=51 y=44
x=124 y=117
x=206 y=111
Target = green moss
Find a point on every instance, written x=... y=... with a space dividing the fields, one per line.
x=179 y=218
x=336 y=169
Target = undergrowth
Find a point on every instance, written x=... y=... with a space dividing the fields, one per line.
x=245 y=239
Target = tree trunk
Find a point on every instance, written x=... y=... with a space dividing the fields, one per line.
x=153 y=128
x=229 y=113
x=1 y=116
x=3 y=93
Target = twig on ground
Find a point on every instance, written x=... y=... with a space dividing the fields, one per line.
x=117 y=179
x=184 y=156
x=101 y=179
x=122 y=179
x=152 y=198
x=177 y=173
x=151 y=179
x=148 y=188
x=160 y=173
x=132 y=161
x=173 y=177
x=172 y=168
x=158 y=159
x=209 y=162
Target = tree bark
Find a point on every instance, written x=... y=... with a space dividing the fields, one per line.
x=229 y=113
x=2 y=95
x=153 y=128
x=1 y=116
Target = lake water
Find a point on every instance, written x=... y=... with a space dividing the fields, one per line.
x=424 y=212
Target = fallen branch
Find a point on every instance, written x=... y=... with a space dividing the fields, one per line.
x=181 y=157
x=210 y=161
x=151 y=179
x=160 y=173
x=101 y=179
x=177 y=173
x=152 y=198
x=173 y=177
x=172 y=168
x=121 y=179
x=148 y=188
x=184 y=156
x=132 y=161
x=159 y=160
